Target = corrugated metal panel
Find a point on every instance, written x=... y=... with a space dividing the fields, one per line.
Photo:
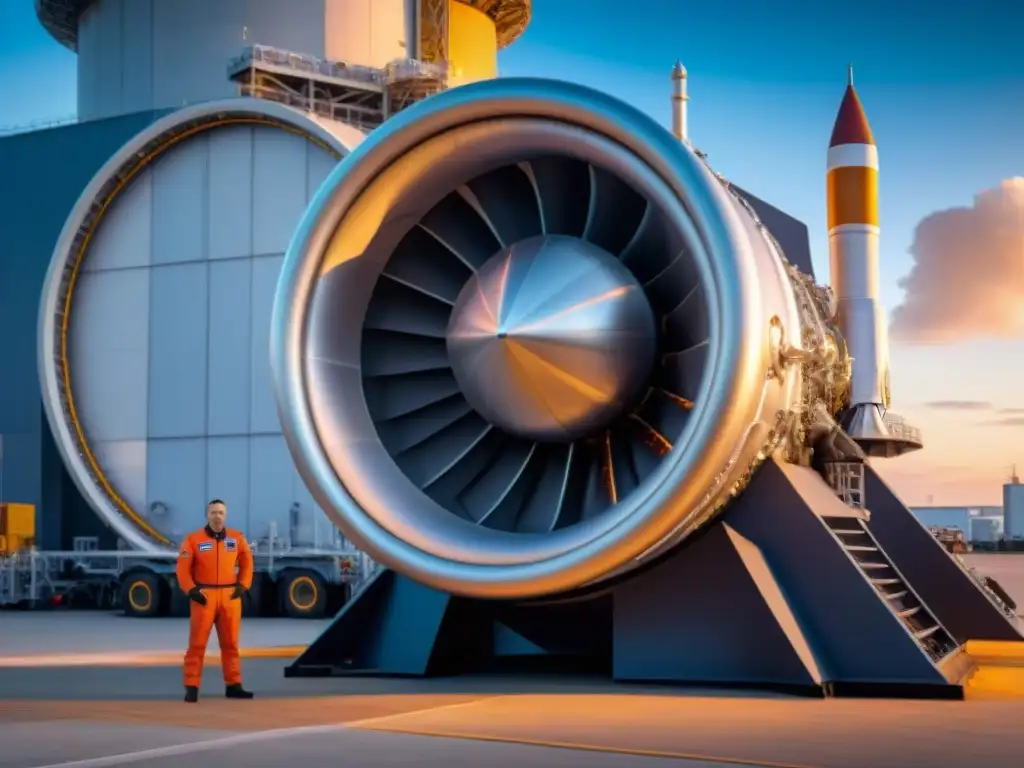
x=178 y=350
x=944 y=517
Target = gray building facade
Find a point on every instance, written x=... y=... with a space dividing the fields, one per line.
x=1013 y=511
x=51 y=167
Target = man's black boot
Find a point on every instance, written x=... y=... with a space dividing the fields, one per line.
x=236 y=691
x=191 y=694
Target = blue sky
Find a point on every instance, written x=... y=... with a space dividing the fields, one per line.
x=942 y=84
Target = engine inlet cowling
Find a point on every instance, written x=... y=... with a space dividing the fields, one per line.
x=524 y=340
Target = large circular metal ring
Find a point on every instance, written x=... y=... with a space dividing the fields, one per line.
x=62 y=393
x=324 y=303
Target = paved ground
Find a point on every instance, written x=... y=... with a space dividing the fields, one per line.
x=68 y=634
x=109 y=716
x=71 y=715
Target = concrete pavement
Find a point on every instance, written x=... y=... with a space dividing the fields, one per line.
x=112 y=714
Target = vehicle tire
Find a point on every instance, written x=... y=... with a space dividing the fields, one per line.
x=142 y=594
x=303 y=594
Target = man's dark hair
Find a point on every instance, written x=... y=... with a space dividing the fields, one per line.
x=211 y=502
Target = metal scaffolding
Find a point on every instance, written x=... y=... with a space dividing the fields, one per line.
x=358 y=95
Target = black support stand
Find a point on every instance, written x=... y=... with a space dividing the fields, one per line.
x=791 y=589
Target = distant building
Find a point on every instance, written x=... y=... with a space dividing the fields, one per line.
x=1013 y=508
x=986 y=530
x=979 y=524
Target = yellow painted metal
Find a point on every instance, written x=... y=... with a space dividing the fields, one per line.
x=472 y=45
x=999 y=673
x=17 y=527
x=510 y=17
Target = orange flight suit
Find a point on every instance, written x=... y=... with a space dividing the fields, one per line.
x=216 y=563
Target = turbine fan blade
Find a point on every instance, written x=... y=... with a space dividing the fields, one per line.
x=656 y=245
x=422 y=262
x=386 y=353
x=599 y=490
x=455 y=224
x=541 y=510
x=393 y=396
x=686 y=326
x=401 y=308
x=447 y=487
x=509 y=201
x=666 y=415
x=664 y=289
x=623 y=465
x=499 y=494
x=564 y=187
x=683 y=371
x=647 y=445
x=430 y=459
x=405 y=433
x=615 y=212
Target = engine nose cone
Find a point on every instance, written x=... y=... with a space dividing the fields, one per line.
x=552 y=339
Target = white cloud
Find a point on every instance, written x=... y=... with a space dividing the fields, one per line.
x=967 y=280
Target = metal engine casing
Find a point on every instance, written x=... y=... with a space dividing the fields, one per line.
x=768 y=353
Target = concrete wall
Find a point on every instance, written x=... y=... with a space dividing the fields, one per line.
x=169 y=333
x=149 y=54
x=50 y=168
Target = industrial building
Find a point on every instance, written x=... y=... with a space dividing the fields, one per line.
x=983 y=524
x=1013 y=509
x=978 y=524
x=143 y=244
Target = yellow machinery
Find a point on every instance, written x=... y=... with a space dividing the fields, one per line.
x=17 y=527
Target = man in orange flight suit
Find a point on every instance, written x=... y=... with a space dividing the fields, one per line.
x=215 y=569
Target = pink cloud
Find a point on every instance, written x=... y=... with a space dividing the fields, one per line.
x=1010 y=421
x=967 y=281
x=959 y=405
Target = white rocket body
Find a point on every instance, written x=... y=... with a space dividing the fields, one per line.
x=679 y=99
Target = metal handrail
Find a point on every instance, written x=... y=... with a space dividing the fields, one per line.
x=305 y=64
x=898 y=427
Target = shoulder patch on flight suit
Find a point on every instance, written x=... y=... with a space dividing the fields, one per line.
x=230 y=545
x=205 y=546
x=183 y=553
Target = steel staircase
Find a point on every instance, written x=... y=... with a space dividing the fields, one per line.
x=865 y=551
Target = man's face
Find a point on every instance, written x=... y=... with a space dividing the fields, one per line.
x=216 y=514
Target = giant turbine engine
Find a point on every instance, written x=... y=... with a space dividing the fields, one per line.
x=524 y=340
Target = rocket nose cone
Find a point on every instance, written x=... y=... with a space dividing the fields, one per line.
x=851 y=126
x=678 y=71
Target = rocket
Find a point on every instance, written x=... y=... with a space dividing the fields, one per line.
x=853 y=237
